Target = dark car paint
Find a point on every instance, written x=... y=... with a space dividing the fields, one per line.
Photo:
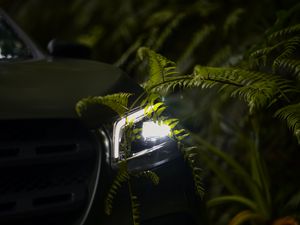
x=51 y=88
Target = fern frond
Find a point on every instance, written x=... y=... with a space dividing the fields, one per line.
x=267 y=50
x=153 y=107
x=284 y=33
x=204 y=8
x=290 y=47
x=171 y=84
x=151 y=175
x=121 y=177
x=191 y=155
x=135 y=207
x=292 y=66
x=159 y=18
x=133 y=48
x=232 y=19
x=167 y=32
x=291 y=114
x=198 y=38
x=220 y=56
x=159 y=66
x=256 y=89
x=117 y=102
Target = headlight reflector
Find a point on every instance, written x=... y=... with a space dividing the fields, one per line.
x=151 y=135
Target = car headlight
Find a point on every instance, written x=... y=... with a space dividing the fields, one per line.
x=151 y=146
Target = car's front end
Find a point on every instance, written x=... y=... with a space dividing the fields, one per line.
x=57 y=168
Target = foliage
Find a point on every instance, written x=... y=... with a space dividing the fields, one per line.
x=291 y=114
x=259 y=88
x=242 y=56
x=267 y=81
x=117 y=102
x=153 y=109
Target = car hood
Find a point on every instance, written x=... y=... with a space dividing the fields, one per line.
x=51 y=88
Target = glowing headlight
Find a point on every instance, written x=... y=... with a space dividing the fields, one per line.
x=153 y=130
x=152 y=135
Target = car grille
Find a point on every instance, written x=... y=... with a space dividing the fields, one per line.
x=47 y=171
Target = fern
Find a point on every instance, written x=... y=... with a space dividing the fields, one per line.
x=232 y=19
x=117 y=102
x=292 y=66
x=266 y=51
x=167 y=32
x=291 y=114
x=151 y=175
x=159 y=18
x=279 y=45
x=220 y=56
x=121 y=178
x=159 y=67
x=191 y=155
x=257 y=89
x=284 y=33
x=198 y=38
x=135 y=210
x=290 y=48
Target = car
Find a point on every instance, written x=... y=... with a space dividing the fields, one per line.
x=56 y=167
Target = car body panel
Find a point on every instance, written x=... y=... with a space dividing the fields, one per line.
x=51 y=88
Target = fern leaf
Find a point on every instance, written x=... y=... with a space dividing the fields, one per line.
x=159 y=18
x=167 y=32
x=171 y=84
x=291 y=114
x=284 y=33
x=135 y=210
x=251 y=87
x=290 y=47
x=151 y=175
x=117 y=102
x=121 y=177
x=191 y=155
x=232 y=19
x=265 y=51
x=204 y=8
x=220 y=56
x=159 y=67
x=291 y=66
x=198 y=38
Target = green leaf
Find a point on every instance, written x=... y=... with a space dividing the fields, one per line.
x=117 y=102
x=233 y=199
x=159 y=67
x=291 y=114
x=118 y=181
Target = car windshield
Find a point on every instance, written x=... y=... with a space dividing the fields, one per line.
x=11 y=46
